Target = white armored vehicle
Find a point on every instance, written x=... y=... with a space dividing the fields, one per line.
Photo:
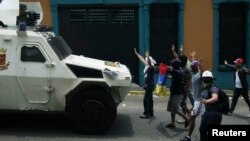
x=39 y=72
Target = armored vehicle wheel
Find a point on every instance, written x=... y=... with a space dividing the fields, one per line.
x=92 y=112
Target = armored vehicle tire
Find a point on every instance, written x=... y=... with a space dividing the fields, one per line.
x=92 y=112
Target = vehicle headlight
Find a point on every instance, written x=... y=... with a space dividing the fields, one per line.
x=110 y=73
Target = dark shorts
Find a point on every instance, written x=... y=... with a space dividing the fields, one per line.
x=174 y=103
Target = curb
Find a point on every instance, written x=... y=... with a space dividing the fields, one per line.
x=139 y=92
x=134 y=92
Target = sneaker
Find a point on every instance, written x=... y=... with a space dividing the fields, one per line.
x=180 y=121
x=230 y=114
x=169 y=126
x=186 y=139
x=144 y=116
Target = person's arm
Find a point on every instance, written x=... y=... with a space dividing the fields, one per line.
x=247 y=70
x=229 y=65
x=170 y=69
x=213 y=99
x=140 y=57
x=181 y=49
x=174 y=52
x=201 y=66
x=192 y=54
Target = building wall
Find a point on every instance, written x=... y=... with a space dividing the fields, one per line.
x=143 y=6
x=47 y=20
x=223 y=78
x=198 y=30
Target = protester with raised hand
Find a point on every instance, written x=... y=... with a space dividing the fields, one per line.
x=176 y=93
x=149 y=84
x=186 y=79
x=196 y=87
x=241 y=83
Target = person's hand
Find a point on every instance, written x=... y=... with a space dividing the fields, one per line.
x=135 y=51
x=204 y=101
x=225 y=62
x=173 y=47
x=181 y=48
x=170 y=68
x=192 y=54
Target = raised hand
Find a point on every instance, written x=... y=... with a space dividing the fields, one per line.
x=135 y=51
x=181 y=48
x=173 y=47
x=225 y=62
x=192 y=54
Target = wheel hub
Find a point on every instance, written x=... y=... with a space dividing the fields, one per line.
x=92 y=113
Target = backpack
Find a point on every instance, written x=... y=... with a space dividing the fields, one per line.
x=223 y=101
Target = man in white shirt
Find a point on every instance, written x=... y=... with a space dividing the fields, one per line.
x=241 y=84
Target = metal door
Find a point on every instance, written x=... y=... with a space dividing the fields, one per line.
x=232 y=31
x=163 y=30
x=107 y=32
x=33 y=74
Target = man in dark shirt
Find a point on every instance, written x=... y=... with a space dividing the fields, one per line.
x=212 y=115
x=187 y=80
x=176 y=93
x=149 y=86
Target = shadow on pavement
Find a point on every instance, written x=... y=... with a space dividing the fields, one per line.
x=242 y=117
x=40 y=124
x=170 y=132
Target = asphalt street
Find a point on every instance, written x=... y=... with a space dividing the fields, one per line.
x=127 y=127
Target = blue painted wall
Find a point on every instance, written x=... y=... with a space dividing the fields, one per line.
x=225 y=79
x=143 y=19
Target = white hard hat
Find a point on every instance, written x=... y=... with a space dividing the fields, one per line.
x=207 y=74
